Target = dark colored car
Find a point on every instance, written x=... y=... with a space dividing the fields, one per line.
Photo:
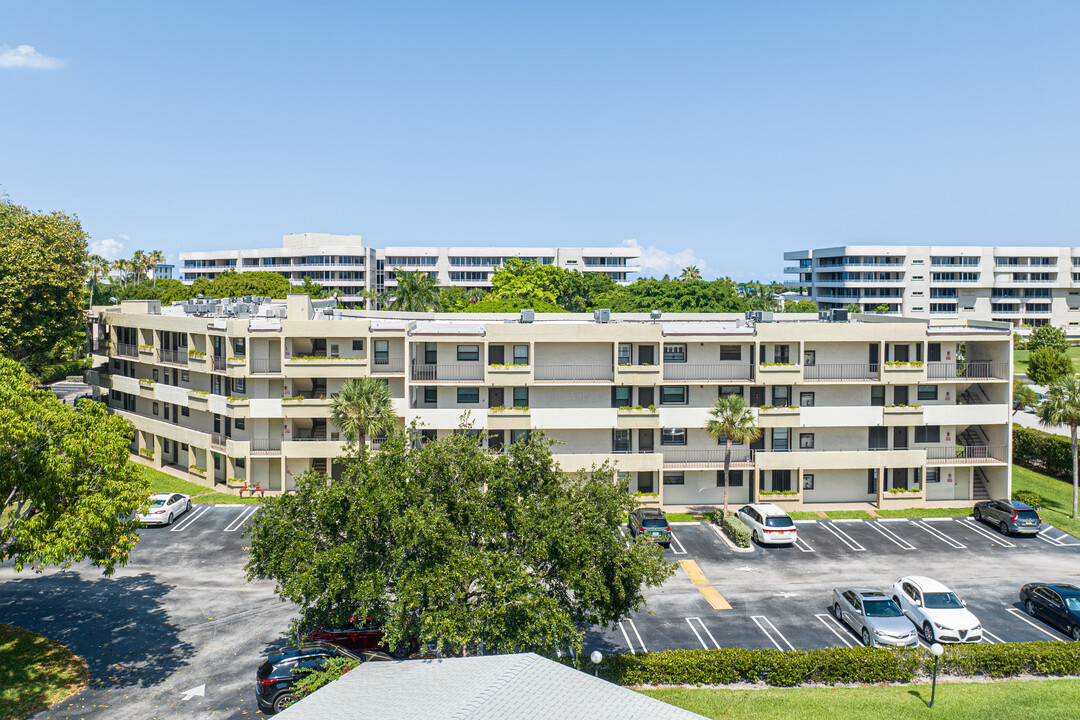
x=279 y=673
x=1056 y=604
x=1010 y=516
x=651 y=523
x=363 y=635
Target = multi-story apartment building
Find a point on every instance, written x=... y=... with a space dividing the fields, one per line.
x=1018 y=285
x=877 y=409
x=343 y=265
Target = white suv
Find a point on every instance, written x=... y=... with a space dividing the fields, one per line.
x=769 y=523
x=936 y=611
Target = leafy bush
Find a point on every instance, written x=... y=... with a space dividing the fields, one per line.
x=779 y=492
x=1033 y=499
x=1042 y=451
x=904 y=363
x=312 y=680
x=1048 y=336
x=735 y=529
x=146 y=453
x=1047 y=364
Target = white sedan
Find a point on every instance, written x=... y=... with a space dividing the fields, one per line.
x=164 y=508
x=936 y=610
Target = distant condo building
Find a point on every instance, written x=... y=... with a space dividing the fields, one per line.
x=343 y=265
x=1018 y=285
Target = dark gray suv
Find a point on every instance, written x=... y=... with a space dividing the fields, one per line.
x=1009 y=516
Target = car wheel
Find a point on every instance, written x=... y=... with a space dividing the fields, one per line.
x=977 y=514
x=168 y=520
x=865 y=637
x=1076 y=633
x=836 y=611
x=1004 y=528
x=188 y=509
x=757 y=538
x=401 y=651
x=1030 y=608
x=927 y=632
x=283 y=700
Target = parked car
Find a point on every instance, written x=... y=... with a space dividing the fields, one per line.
x=938 y=613
x=651 y=523
x=278 y=674
x=1056 y=604
x=874 y=616
x=1010 y=516
x=363 y=635
x=768 y=523
x=164 y=508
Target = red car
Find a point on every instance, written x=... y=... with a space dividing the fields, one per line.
x=363 y=635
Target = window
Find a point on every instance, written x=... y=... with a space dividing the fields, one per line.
x=183 y=446
x=806 y=441
x=155 y=375
x=809 y=358
x=382 y=352
x=620 y=441
x=239 y=348
x=781 y=395
x=928 y=392
x=878 y=438
x=780 y=439
x=675 y=353
x=900 y=395
x=730 y=352
x=928 y=434
x=620 y=396
x=673 y=436
x=431 y=395
x=431 y=353
x=167 y=411
x=185 y=412
x=726 y=390
x=185 y=376
x=165 y=445
x=521 y=397
x=674 y=478
x=807 y=481
x=933 y=475
x=521 y=354
x=625 y=353
x=516 y=435
x=155 y=408
x=735 y=476
x=335 y=350
x=871 y=481
x=468 y=395
x=877 y=395
x=645 y=396
x=806 y=399
x=358 y=345
x=468 y=353
x=781 y=354
x=673 y=395
x=781 y=480
x=238 y=386
x=239 y=423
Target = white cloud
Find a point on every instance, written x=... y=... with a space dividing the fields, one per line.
x=655 y=261
x=109 y=248
x=25 y=56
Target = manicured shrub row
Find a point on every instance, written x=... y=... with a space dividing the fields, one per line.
x=833 y=666
x=1045 y=452
x=1033 y=499
x=735 y=529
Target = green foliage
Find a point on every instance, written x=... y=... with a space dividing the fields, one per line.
x=58 y=371
x=363 y=407
x=736 y=529
x=800 y=306
x=526 y=280
x=731 y=420
x=67 y=487
x=1047 y=364
x=312 y=288
x=38 y=672
x=853 y=307
x=456 y=544
x=1023 y=396
x=43 y=263
x=331 y=670
x=645 y=295
x=1042 y=451
x=882 y=309
x=782 y=492
x=904 y=363
x=416 y=291
x=1048 y=336
x=1026 y=496
x=1056 y=497
x=1061 y=406
x=453 y=299
x=512 y=305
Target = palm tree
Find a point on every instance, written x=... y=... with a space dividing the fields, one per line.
x=475 y=294
x=153 y=259
x=853 y=308
x=733 y=421
x=362 y=408
x=1061 y=406
x=690 y=272
x=138 y=264
x=121 y=265
x=98 y=268
x=416 y=291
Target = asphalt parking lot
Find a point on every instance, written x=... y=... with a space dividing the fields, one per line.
x=780 y=597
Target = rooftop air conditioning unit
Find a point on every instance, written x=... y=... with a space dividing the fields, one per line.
x=839 y=315
x=602 y=315
x=655 y=314
x=528 y=315
x=753 y=315
x=764 y=316
x=824 y=316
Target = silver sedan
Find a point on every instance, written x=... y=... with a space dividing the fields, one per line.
x=874 y=617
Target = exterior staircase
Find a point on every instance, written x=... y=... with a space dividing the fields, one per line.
x=974 y=395
x=979 y=485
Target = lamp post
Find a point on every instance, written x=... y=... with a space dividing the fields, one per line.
x=936 y=649
x=597 y=657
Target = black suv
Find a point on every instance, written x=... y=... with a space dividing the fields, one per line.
x=279 y=673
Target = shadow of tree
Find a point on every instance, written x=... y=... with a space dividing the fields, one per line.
x=38 y=669
x=117 y=625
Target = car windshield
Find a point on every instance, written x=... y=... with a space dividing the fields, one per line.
x=156 y=504
x=779 y=522
x=1027 y=515
x=1073 y=604
x=655 y=523
x=942 y=601
x=881 y=608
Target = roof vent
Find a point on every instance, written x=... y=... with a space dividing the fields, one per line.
x=528 y=315
x=655 y=314
x=824 y=315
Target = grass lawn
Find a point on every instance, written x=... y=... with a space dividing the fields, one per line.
x=200 y=494
x=805 y=515
x=214 y=498
x=1020 y=358
x=679 y=517
x=1056 y=497
x=846 y=514
x=926 y=512
x=1033 y=700
x=37 y=672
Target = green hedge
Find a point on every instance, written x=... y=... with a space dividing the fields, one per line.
x=832 y=666
x=1046 y=452
x=736 y=529
x=1026 y=496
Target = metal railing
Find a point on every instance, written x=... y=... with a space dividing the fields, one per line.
x=457 y=372
x=574 y=373
x=707 y=371
x=387 y=366
x=841 y=371
x=948 y=454
x=217 y=440
x=265 y=445
x=219 y=363
x=707 y=457
x=176 y=357
x=968 y=370
x=127 y=350
x=265 y=366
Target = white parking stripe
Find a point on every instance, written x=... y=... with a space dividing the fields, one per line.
x=892 y=537
x=244 y=517
x=681 y=550
x=761 y=621
x=1056 y=542
x=990 y=637
x=691 y=621
x=829 y=621
x=1041 y=628
x=844 y=537
x=622 y=626
x=186 y=522
x=638 y=635
x=998 y=538
x=956 y=545
x=802 y=545
x=805 y=522
x=1059 y=541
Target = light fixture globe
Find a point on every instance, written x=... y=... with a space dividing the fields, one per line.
x=597 y=657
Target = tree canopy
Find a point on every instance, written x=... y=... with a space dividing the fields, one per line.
x=67 y=487
x=457 y=544
x=1047 y=364
x=1048 y=336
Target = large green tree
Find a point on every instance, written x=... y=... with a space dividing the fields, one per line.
x=43 y=268
x=800 y=306
x=416 y=291
x=528 y=281
x=1048 y=336
x=1047 y=364
x=363 y=407
x=67 y=488
x=1061 y=406
x=457 y=545
x=733 y=422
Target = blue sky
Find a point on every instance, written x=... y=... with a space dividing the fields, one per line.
x=714 y=132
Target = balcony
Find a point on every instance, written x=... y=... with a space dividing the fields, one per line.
x=741 y=457
x=707 y=371
x=219 y=363
x=966 y=454
x=127 y=350
x=217 y=440
x=450 y=372
x=265 y=366
x=968 y=370
x=265 y=446
x=388 y=366
x=598 y=373
x=841 y=371
x=838 y=458
x=173 y=357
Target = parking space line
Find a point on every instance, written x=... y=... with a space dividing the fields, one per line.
x=956 y=545
x=843 y=537
x=693 y=572
x=713 y=596
x=1041 y=628
x=244 y=517
x=805 y=522
x=690 y=622
x=638 y=636
x=828 y=621
x=681 y=550
x=622 y=626
x=802 y=545
x=186 y=522
x=892 y=537
x=1059 y=541
x=761 y=621
x=990 y=637
x=970 y=525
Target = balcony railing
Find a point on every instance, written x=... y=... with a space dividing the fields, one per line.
x=574 y=373
x=265 y=366
x=219 y=363
x=968 y=370
x=265 y=445
x=217 y=440
x=387 y=366
x=676 y=458
x=841 y=371
x=457 y=372
x=127 y=350
x=966 y=454
x=709 y=371
x=176 y=357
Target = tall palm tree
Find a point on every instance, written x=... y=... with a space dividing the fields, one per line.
x=690 y=272
x=138 y=264
x=733 y=421
x=98 y=268
x=475 y=294
x=416 y=291
x=153 y=259
x=1061 y=406
x=362 y=408
x=853 y=308
x=121 y=265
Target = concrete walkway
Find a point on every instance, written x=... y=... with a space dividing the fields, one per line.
x=1031 y=420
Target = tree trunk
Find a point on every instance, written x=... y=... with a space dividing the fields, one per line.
x=1076 y=481
x=727 y=475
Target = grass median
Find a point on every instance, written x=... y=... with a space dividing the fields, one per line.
x=37 y=672
x=200 y=494
x=1032 y=699
x=1056 y=498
